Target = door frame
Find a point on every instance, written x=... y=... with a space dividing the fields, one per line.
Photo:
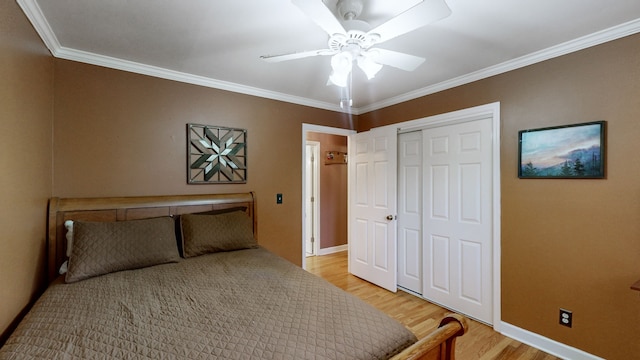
x=315 y=183
x=306 y=128
x=491 y=110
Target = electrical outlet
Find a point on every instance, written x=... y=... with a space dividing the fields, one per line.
x=566 y=318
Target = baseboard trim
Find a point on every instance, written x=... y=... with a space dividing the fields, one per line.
x=334 y=249
x=545 y=344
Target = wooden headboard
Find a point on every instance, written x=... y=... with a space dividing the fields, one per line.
x=130 y=208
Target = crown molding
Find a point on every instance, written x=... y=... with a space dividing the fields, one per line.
x=40 y=23
x=144 y=69
x=35 y=15
x=597 y=38
x=37 y=18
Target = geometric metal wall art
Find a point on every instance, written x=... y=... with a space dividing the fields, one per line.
x=216 y=155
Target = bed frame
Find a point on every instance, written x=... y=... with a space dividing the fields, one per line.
x=438 y=345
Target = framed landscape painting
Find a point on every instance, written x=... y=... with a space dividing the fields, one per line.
x=563 y=152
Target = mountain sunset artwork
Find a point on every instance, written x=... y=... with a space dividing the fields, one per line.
x=572 y=151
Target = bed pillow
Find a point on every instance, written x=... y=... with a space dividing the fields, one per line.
x=202 y=234
x=209 y=212
x=103 y=247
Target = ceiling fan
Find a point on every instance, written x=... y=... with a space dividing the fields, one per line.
x=351 y=40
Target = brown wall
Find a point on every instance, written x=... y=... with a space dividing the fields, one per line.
x=26 y=100
x=123 y=134
x=565 y=243
x=333 y=192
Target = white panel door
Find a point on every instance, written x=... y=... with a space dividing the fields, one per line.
x=458 y=218
x=372 y=208
x=410 y=211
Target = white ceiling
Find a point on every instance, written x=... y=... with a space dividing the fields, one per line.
x=218 y=43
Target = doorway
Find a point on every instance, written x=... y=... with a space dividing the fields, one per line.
x=323 y=130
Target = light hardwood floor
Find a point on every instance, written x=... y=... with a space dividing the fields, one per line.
x=422 y=317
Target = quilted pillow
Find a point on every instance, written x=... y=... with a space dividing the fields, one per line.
x=103 y=247
x=202 y=234
x=210 y=212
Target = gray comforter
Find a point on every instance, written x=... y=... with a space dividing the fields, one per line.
x=246 y=304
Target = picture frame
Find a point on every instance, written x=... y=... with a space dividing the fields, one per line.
x=574 y=151
x=216 y=154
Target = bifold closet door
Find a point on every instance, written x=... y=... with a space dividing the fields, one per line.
x=457 y=217
x=410 y=211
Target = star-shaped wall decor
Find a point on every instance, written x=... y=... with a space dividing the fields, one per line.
x=216 y=154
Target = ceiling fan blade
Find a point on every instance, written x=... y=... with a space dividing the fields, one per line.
x=321 y=15
x=396 y=59
x=296 y=55
x=425 y=13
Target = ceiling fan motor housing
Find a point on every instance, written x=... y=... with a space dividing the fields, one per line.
x=350 y=9
x=352 y=40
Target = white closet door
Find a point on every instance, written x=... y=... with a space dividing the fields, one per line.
x=410 y=211
x=458 y=218
x=373 y=200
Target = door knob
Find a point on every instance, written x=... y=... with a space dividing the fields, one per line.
x=390 y=217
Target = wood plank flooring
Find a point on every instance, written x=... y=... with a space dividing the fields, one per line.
x=422 y=317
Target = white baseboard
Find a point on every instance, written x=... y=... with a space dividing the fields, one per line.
x=334 y=249
x=545 y=344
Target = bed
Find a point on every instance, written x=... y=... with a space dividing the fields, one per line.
x=182 y=277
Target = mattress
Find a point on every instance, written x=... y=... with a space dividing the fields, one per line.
x=245 y=304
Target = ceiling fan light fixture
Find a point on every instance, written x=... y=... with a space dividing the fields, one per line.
x=340 y=79
x=370 y=67
x=341 y=64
